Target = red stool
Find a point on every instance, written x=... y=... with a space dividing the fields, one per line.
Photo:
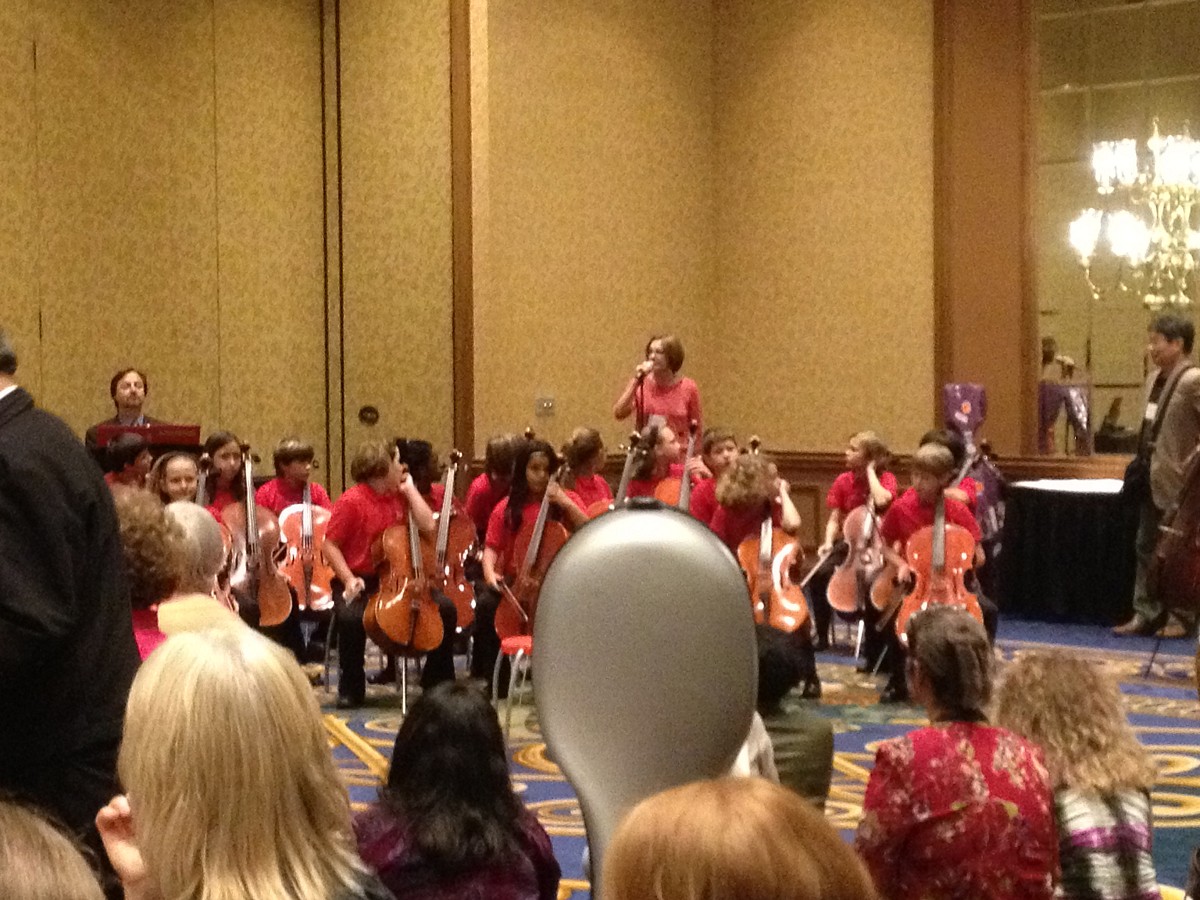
x=520 y=648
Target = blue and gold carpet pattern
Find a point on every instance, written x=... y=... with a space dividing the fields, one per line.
x=1163 y=709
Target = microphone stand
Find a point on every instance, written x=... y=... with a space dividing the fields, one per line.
x=639 y=402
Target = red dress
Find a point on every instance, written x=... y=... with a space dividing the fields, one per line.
x=961 y=810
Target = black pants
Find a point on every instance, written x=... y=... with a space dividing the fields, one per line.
x=439 y=663
x=287 y=633
x=352 y=638
x=487 y=642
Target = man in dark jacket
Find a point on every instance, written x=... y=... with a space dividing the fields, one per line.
x=67 y=653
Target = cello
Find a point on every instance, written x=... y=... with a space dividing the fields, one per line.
x=769 y=561
x=253 y=571
x=402 y=617
x=446 y=554
x=940 y=556
x=1175 y=566
x=603 y=506
x=535 y=545
x=677 y=490
x=223 y=594
x=851 y=581
x=304 y=565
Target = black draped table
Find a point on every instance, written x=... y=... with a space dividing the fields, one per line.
x=1067 y=551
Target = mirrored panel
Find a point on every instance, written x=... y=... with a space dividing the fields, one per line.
x=1107 y=72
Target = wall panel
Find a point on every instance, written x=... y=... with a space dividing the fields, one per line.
x=824 y=188
x=127 y=204
x=270 y=220
x=395 y=145
x=18 y=189
x=595 y=209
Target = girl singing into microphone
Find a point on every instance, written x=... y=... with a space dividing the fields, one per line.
x=657 y=389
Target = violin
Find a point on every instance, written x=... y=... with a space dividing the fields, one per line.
x=603 y=506
x=940 y=556
x=253 y=558
x=535 y=545
x=850 y=582
x=1175 y=567
x=769 y=561
x=223 y=593
x=304 y=565
x=677 y=491
x=402 y=612
x=446 y=554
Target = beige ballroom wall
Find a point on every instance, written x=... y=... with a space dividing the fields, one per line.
x=18 y=189
x=395 y=144
x=178 y=209
x=594 y=202
x=824 y=186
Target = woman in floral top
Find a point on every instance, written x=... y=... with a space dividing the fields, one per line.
x=959 y=809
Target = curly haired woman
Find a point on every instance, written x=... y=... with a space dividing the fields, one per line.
x=1101 y=775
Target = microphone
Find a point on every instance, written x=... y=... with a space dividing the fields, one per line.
x=643 y=370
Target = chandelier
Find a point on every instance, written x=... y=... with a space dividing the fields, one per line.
x=1147 y=217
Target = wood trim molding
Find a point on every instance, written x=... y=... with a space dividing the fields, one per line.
x=462 y=228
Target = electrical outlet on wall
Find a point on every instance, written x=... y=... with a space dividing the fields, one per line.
x=543 y=407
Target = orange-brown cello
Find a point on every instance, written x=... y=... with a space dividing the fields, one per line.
x=769 y=561
x=223 y=593
x=851 y=581
x=677 y=490
x=304 y=564
x=535 y=545
x=402 y=617
x=445 y=553
x=940 y=556
x=253 y=571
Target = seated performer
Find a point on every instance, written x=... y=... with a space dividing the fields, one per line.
x=744 y=492
x=718 y=450
x=128 y=461
x=225 y=482
x=932 y=471
x=533 y=467
x=968 y=489
x=657 y=389
x=960 y=808
x=491 y=486
x=174 y=476
x=658 y=455
x=584 y=455
x=128 y=389
x=293 y=468
x=382 y=496
x=865 y=479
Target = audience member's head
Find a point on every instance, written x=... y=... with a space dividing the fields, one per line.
x=1072 y=709
x=8 y=355
x=779 y=667
x=39 y=861
x=449 y=779
x=201 y=545
x=153 y=546
x=949 y=663
x=731 y=839
x=231 y=786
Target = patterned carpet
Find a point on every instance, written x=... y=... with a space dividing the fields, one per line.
x=1163 y=709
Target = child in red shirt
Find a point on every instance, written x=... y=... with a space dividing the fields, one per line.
x=967 y=490
x=293 y=467
x=491 y=486
x=535 y=462
x=657 y=455
x=866 y=478
x=932 y=472
x=225 y=483
x=383 y=495
x=584 y=454
x=718 y=450
x=744 y=492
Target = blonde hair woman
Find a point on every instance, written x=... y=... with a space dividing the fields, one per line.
x=40 y=862
x=731 y=839
x=1100 y=773
x=232 y=792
